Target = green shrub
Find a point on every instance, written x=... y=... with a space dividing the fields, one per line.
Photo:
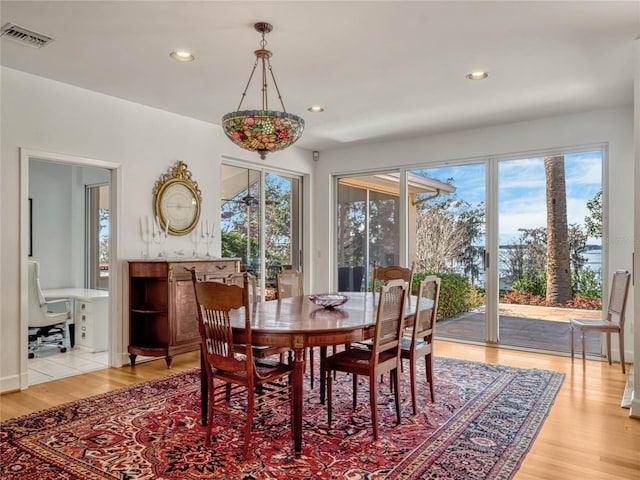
x=586 y=284
x=457 y=295
x=534 y=283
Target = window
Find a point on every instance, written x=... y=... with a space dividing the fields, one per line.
x=97 y=234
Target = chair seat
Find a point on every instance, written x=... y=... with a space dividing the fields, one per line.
x=600 y=325
x=405 y=344
x=266 y=370
x=364 y=343
x=354 y=360
x=261 y=351
x=61 y=317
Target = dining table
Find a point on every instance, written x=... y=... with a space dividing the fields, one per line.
x=298 y=323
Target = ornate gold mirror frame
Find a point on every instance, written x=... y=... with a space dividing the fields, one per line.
x=177 y=200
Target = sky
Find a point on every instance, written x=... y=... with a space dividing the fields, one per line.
x=521 y=190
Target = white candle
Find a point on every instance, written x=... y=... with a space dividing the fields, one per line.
x=158 y=225
x=207 y=222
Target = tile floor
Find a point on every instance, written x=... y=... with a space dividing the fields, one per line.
x=50 y=364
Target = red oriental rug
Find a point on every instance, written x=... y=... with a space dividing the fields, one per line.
x=483 y=422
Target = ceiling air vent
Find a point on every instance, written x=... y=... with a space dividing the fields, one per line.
x=24 y=36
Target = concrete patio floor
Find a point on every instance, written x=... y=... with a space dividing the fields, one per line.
x=541 y=328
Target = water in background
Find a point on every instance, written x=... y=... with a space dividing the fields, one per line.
x=594 y=262
x=594 y=259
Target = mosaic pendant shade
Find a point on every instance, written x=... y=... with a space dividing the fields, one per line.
x=263 y=130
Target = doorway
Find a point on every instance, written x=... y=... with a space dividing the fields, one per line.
x=59 y=234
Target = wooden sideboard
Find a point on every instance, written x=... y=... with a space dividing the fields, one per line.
x=162 y=307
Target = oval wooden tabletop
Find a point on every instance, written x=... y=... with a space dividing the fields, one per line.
x=300 y=315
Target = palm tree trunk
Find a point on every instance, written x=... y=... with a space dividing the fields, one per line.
x=558 y=264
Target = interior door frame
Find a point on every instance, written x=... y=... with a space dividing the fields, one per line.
x=115 y=341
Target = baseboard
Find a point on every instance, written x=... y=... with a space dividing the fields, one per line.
x=10 y=384
x=627 y=397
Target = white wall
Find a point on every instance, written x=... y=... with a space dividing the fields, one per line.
x=613 y=126
x=635 y=404
x=44 y=115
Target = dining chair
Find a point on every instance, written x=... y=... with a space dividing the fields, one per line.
x=237 y=278
x=420 y=344
x=614 y=321
x=239 y=384
x=384 y=355
x=289 y=283
x=382 y=274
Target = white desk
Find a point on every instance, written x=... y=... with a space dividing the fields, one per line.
x=90 y=310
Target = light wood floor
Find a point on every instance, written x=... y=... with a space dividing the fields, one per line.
x=587 y=435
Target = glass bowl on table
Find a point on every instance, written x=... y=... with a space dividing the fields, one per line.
x=329 y=300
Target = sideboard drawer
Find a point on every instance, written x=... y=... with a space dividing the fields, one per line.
x=208 y=269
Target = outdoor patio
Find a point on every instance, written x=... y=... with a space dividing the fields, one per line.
x=542 y=328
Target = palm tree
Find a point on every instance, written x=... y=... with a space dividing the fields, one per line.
x=558 y=261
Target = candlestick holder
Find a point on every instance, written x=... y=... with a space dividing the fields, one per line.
x=195 y=238
x=147 y=238
x=208 y=236
x=159 y=238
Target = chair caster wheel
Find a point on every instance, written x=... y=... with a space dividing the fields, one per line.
x=32 y=355
x=64 y=349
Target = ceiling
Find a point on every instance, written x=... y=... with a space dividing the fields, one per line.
x=381 y=70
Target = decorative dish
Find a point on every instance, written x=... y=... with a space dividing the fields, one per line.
x=328 y=300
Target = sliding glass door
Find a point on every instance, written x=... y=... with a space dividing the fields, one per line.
x=517 y=242
x=447 y=220
x=368 y=230
x=261 y=222
x=550 y=214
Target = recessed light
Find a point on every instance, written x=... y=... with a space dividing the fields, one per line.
x=182 y=56
x=477 y=75
x=316 y=109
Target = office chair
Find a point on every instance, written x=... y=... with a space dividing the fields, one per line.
x=46 y=327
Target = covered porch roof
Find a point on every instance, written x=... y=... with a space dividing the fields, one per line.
x=389 y=183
